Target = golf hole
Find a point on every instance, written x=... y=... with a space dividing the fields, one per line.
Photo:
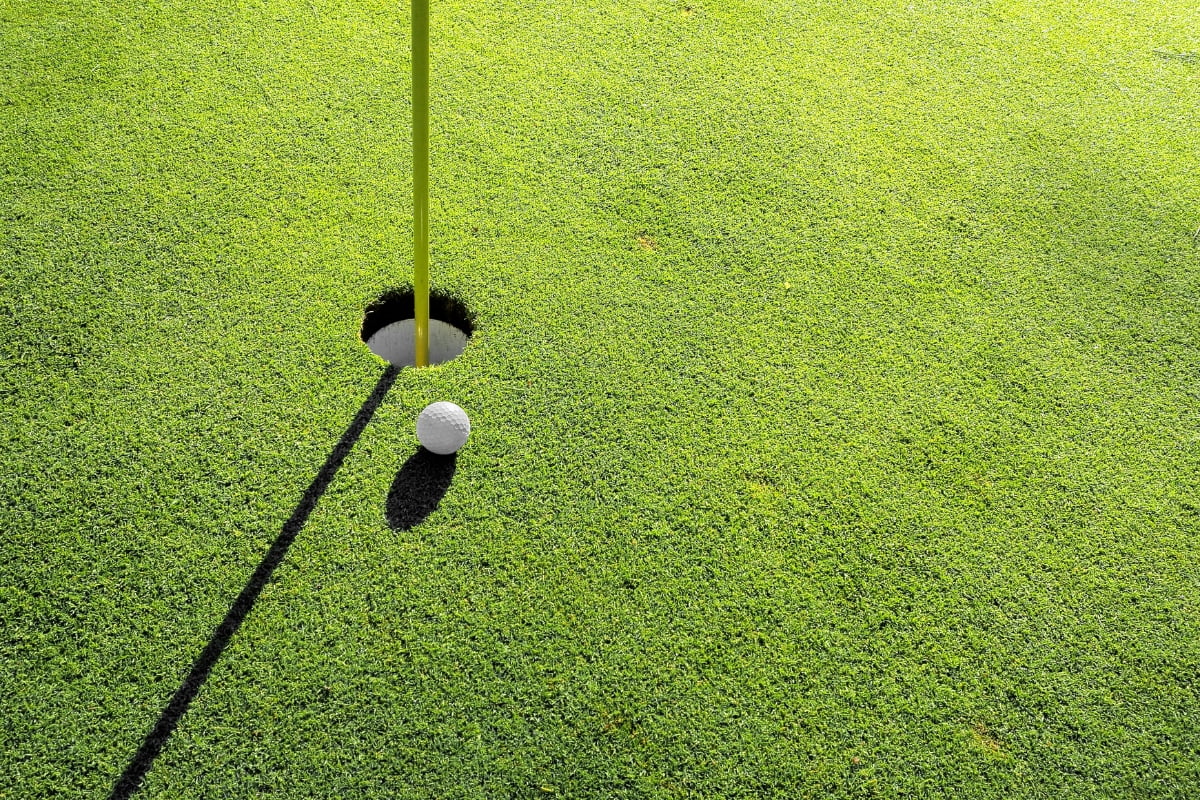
x=389 y=327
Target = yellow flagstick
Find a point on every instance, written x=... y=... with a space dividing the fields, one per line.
x=420 y=106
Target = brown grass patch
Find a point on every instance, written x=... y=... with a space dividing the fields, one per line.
x=982 y=737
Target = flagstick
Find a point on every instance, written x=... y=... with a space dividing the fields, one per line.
x=420 y=105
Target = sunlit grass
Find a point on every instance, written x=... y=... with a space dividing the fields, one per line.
x=833 y=399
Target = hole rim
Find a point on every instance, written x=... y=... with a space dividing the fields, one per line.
x=396 y=305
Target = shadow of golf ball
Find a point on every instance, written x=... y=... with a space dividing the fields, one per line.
x=418 y=488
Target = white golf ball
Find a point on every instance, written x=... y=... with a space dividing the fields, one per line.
x=443 y=428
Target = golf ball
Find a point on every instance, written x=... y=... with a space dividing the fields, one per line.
x=443 y=428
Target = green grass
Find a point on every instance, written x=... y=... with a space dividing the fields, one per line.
x=834 y=399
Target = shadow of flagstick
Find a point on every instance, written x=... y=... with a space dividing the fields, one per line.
x=139 y=765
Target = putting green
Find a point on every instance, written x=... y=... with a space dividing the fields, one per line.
x=832 y=396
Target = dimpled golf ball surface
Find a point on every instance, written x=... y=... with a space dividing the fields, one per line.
x=442 y=428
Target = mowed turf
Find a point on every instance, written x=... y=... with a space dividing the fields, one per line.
x=834 y=399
